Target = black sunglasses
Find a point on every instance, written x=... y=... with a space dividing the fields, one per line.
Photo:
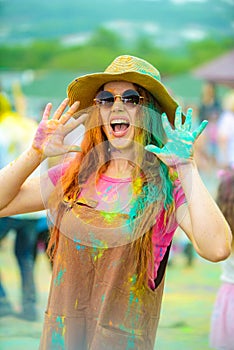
x=106 y=99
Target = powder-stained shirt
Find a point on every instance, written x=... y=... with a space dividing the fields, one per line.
x=115 y=195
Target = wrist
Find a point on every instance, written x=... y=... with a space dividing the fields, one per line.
x=186 y=170
x=35 y=154
x=188 y=164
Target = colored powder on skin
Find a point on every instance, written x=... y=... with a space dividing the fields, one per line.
x=39 y=137
x=58 y=279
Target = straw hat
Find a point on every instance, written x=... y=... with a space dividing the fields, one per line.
x=123 y=68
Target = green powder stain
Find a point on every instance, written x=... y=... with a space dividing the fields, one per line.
x=57 y=338
x=58 y=279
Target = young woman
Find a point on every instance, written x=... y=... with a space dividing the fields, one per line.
x=114 y=206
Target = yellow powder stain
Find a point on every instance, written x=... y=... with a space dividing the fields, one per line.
x=64 y=331
x=137 y=185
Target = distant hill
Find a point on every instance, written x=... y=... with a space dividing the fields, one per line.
x=167 y=22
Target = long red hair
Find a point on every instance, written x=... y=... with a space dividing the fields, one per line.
x=94 y=158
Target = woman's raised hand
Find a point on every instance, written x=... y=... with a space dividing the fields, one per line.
x=49 y=137
x=180 y=140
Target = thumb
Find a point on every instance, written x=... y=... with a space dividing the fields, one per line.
x=153 y=149
x=72 y=148
x=200 y=129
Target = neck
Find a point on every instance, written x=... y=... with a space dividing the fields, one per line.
x=121 y=163
x=119 y=168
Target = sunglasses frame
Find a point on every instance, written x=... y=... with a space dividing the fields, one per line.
x=125 y=100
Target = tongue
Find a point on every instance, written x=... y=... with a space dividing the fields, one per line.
x=120 y=127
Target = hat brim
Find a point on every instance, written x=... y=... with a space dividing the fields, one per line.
x=84 y=89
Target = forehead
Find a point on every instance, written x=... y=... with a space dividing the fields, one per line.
x=119 y=86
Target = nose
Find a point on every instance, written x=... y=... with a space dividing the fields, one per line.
x=118 y=104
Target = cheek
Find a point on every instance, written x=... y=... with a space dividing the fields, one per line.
x=105 y=130
x=103 y=118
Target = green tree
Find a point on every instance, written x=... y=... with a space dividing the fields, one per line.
x=103 y=37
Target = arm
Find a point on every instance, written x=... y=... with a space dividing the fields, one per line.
x=13 y=176
x=19 y=193
x=29 y=198
x=202 y=220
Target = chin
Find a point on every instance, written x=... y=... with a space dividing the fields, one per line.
x=121 y=143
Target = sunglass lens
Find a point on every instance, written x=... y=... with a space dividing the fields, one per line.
x=131 y=97
x=105 y=98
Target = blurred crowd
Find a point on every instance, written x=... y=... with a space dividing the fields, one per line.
x=16 y=133
x=214 y=150
x=216 y=147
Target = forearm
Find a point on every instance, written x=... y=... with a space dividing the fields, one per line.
x=209 y=229
x=14 y=174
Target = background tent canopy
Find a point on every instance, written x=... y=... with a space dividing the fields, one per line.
x=219 y=71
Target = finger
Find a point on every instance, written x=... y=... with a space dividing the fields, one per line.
x=166 y=125
x=178 y=118
x=75 y=123
x=200 y=129
x=47 y=111
x=70 y=112
x=153 y=149
x=59 y=111
x=188 y=120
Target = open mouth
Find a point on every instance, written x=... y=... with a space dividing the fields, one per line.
x=119 y=126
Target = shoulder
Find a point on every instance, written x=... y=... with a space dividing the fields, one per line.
x=57 y=171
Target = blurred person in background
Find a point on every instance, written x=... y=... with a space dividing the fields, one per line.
x=16 y=131
x=115 y=206
x=222 y=319
x=182 y=248
x=226 y=132
x=210 y=109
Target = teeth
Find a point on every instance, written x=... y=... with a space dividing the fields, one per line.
x=119 y=121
